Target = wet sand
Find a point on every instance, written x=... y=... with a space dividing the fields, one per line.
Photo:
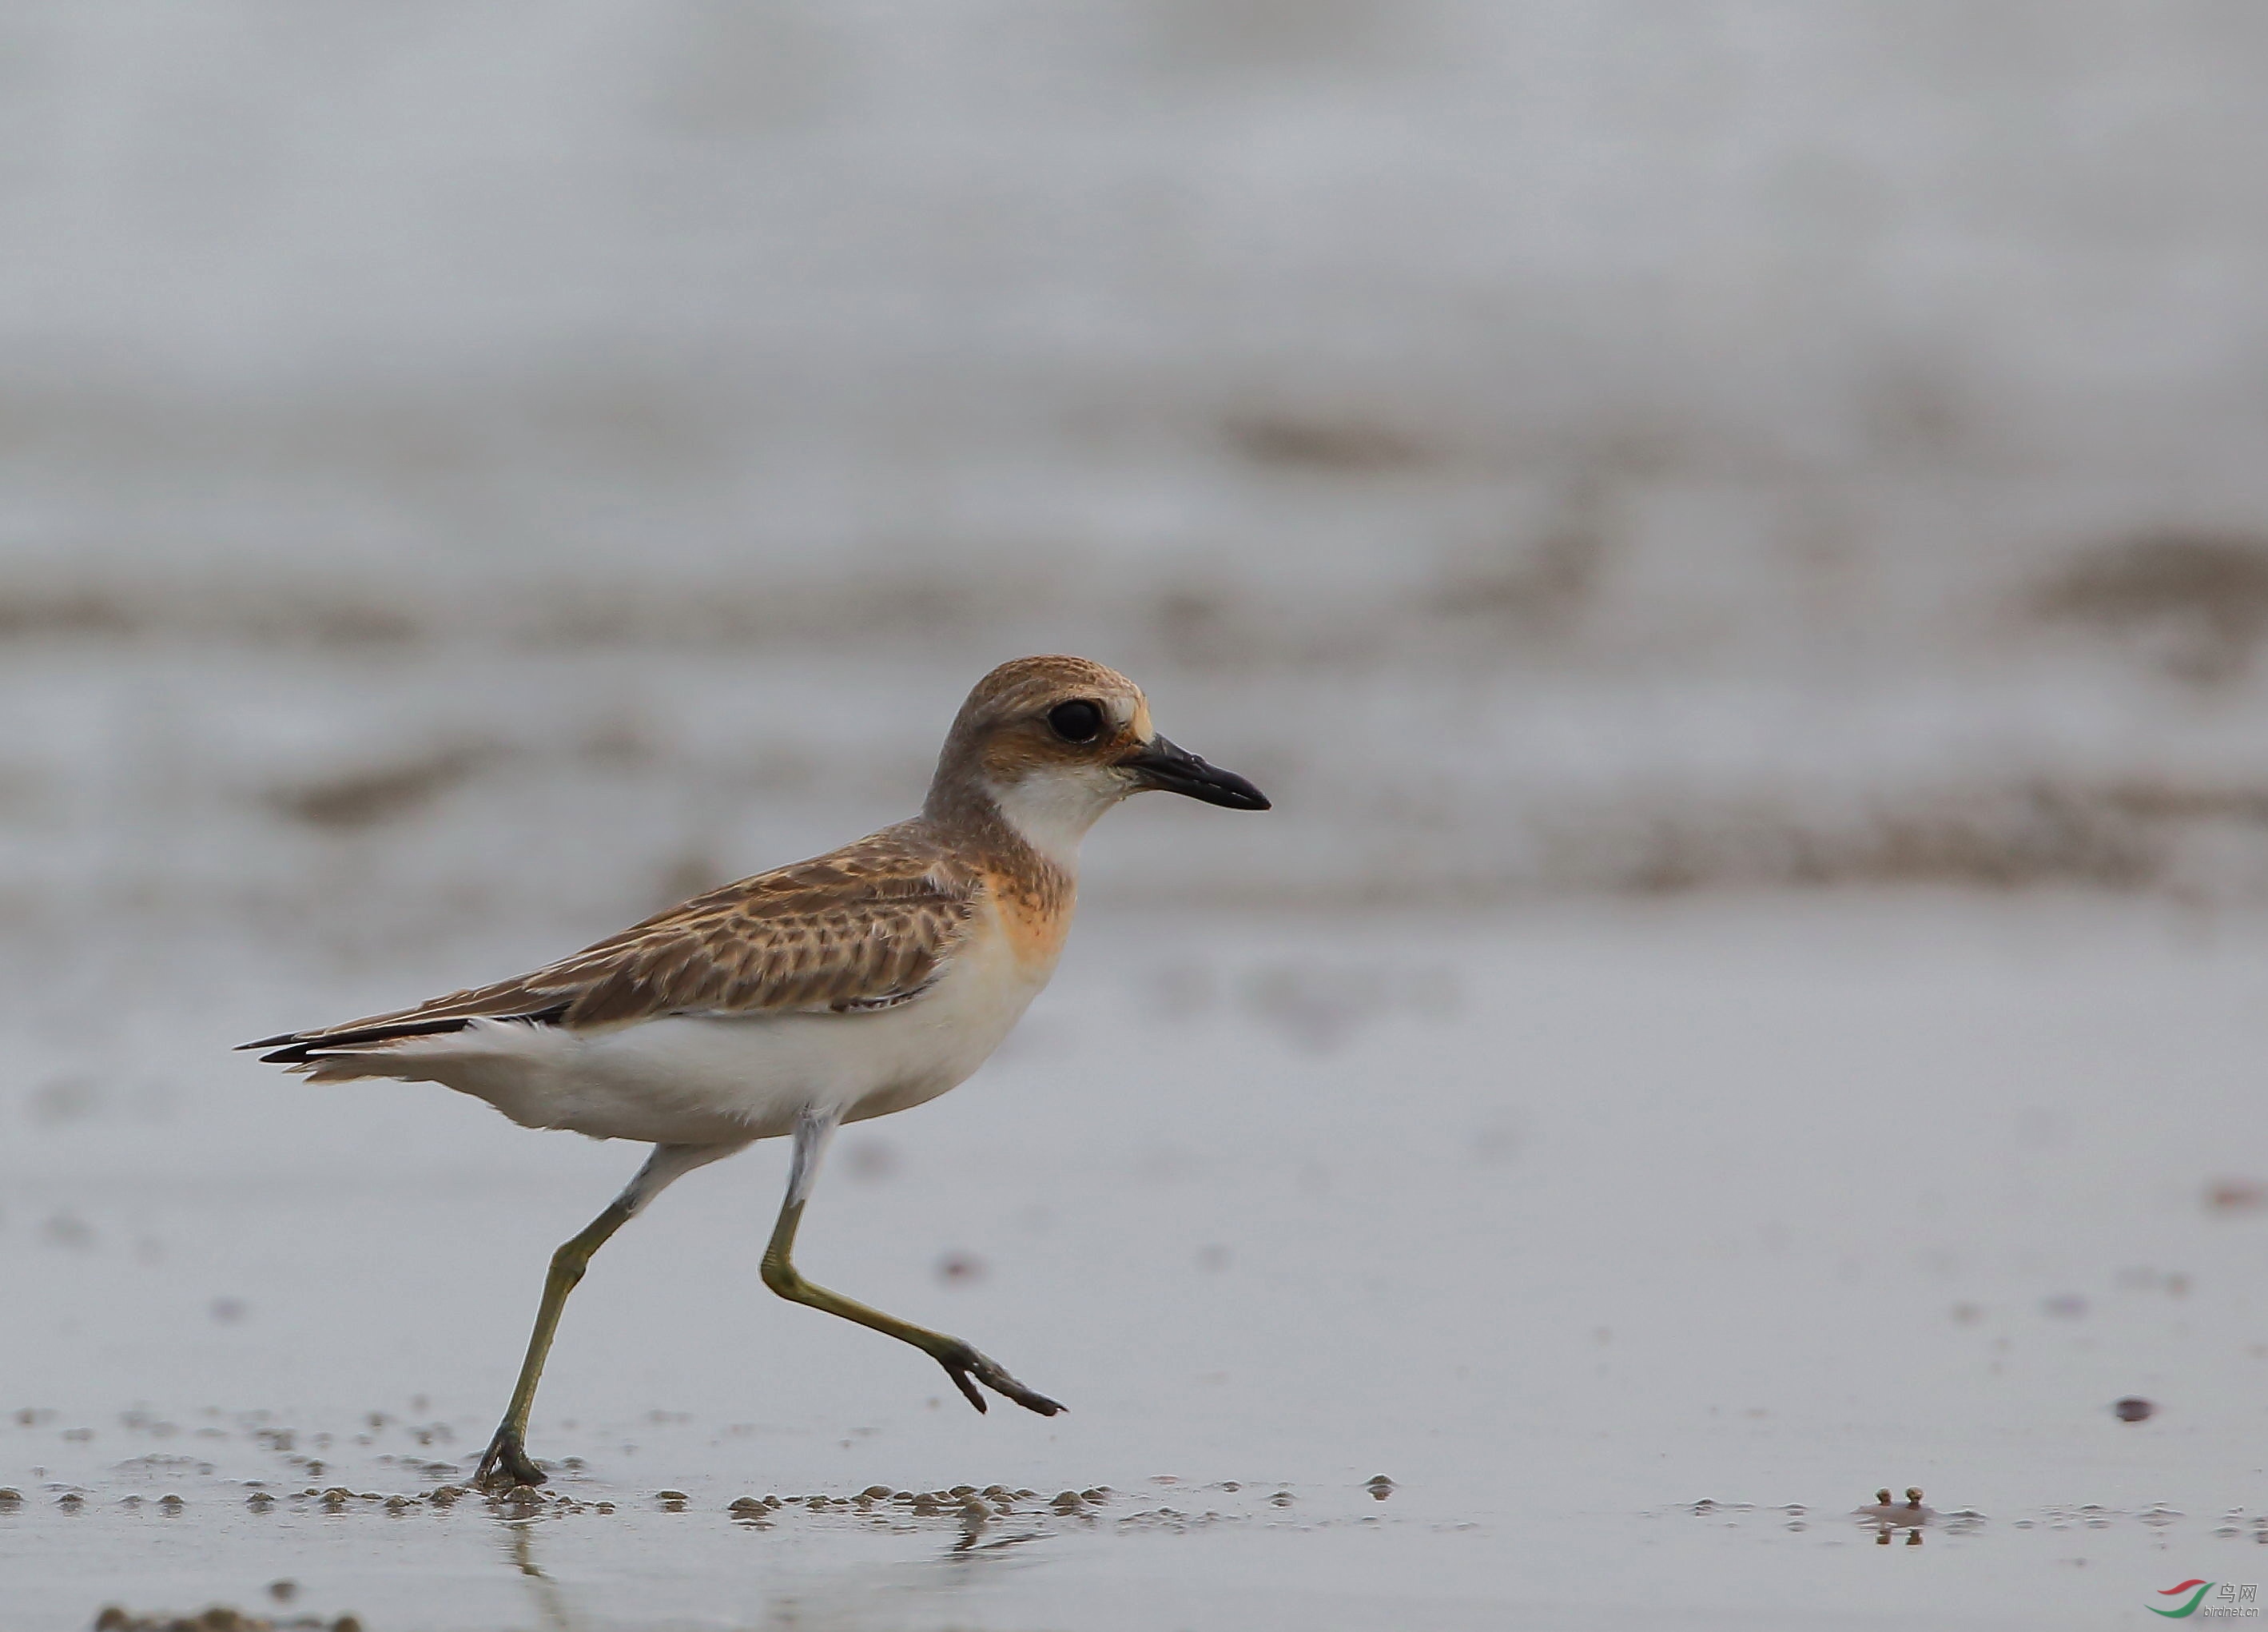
x=1637 y=1245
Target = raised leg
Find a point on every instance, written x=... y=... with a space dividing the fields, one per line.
x=963 y=1364
x=507 y=1462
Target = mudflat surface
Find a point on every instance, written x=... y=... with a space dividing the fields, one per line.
x=1636 y=1245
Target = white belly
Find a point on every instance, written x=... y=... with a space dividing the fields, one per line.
x=714 y=1080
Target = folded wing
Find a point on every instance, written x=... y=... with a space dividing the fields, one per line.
x=865 y=928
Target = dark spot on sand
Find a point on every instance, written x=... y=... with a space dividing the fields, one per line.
x=2199 y=600
x=2134 y=1408
x=960 y=1269
x=364 y=798
x=1315 y=443
x=2235 y=1195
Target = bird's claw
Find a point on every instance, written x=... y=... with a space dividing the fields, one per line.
x=967 y=1368
x=506 y=1464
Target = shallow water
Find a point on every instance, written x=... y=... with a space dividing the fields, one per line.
x=1614 y=1236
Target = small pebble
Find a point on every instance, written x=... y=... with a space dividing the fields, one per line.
x=2134 y=1408
x=284 y=1591
x=1887 y=1511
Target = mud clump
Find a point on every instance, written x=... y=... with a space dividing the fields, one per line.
x=1890 y=1514
x=364 y=798
x=218 y=1618
x=1317 y=443
x=2197 y=601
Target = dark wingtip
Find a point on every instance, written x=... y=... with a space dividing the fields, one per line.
x=297 y=1045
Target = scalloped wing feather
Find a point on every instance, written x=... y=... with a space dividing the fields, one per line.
x=867 y=926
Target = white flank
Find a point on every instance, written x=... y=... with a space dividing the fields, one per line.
x=724 y=1079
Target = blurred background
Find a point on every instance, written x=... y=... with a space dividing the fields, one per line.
x=518 y=461
x=1736 y=534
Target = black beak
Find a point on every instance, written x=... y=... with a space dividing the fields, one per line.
x=1177 y=771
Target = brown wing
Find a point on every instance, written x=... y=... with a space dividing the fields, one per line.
x=867 y=926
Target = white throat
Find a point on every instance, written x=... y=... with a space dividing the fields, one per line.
x=1053 y=813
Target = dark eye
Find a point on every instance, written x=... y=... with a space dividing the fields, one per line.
x=1076 y=722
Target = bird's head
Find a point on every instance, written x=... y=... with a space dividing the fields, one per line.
x=1052 y=742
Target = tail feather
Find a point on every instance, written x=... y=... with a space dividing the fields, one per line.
x=304 y=1048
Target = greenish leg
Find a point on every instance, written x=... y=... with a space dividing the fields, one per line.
x=963 y=1363
x=507 y=1462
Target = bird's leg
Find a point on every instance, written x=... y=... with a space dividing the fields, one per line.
x=507 y=1463
x=963 y=1363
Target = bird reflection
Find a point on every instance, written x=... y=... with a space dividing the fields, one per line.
x=843 y=1597
x=550 y=1598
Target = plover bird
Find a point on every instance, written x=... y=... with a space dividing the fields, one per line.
x=861 y=982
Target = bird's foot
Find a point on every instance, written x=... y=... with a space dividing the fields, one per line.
x=967 y=1368
x=507 y=1463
